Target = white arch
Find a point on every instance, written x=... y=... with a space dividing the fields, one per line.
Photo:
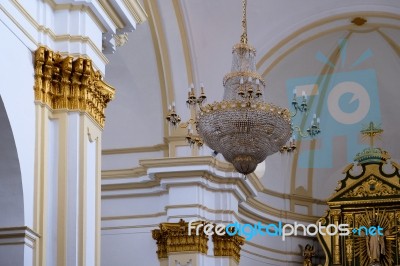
x=11 y=197
x=316 y=24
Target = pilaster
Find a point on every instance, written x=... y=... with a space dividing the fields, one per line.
x=70 y=98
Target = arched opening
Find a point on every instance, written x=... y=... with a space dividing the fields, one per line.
x=11 y=197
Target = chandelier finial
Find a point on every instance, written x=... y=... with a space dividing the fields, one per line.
x=243 y=38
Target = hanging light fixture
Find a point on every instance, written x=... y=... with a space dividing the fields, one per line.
x=242 y=127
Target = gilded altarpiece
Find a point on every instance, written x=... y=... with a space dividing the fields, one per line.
x=369 y=195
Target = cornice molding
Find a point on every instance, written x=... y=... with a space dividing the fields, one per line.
x=293 y=197
x=122 y=182
x=18 y=235
x=117 y=17
x=188 y=161
x=124 y=173
x=280 y=214
x=136 y=10
x=154 y=148
x=114 y=19
x=129 y=217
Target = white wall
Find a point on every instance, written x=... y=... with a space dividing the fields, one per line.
x=17 y=95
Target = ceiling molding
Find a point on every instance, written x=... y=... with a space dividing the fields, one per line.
x=136 y=10
x=154 y=148
x=313 y=30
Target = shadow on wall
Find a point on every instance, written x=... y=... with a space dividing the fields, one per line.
x=11 y=197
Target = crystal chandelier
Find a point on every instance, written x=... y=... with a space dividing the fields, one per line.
x=242 y=127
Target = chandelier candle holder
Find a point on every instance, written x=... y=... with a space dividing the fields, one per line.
x=194 y=103
x=290 y=146
x=312 y=131
x=302 y=107
x=172 y=117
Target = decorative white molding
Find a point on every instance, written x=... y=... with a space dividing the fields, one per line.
x=120 y=39
x=18 y=235
x=79 y=28
x=117 y=16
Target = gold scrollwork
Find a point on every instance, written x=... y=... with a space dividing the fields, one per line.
x=174 y=237
x=371 y=187
x=71 y=84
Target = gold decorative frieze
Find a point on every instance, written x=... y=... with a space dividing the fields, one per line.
x=71 y=84
x=227 y=245
x=174 y=237
x=371 y=187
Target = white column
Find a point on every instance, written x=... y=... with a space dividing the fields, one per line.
x=70 y=102
x=69 y=201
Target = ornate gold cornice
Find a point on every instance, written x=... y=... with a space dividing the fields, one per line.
x=226 y=245
x=174 y=237
x=70 y=84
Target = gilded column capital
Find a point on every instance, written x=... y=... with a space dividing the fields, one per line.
x=336 y=214
x=70 y=84
x=226 y=245
x=174 y=237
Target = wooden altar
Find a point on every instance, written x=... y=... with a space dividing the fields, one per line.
x=369 y=195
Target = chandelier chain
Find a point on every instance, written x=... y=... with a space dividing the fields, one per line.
x=243 y=38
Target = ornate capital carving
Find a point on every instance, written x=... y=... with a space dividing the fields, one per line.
x=227 y=245
x=336 y=214
x=174 y=237
x=70 y=84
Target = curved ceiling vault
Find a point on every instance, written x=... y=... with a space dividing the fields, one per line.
x=299 y=44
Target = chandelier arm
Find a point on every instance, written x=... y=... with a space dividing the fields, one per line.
x=301 y=133
x=186 y=124
x=243 y=38
x=294 y=113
